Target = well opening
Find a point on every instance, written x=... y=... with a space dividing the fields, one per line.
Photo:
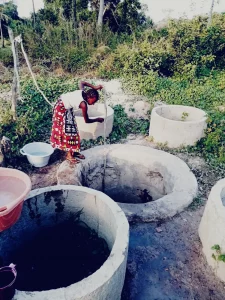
x=62 y=243
x=147 y=184
x=126 y=181
x=181 y=113
x=56 y=255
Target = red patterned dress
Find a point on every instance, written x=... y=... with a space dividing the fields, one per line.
x=65 y=134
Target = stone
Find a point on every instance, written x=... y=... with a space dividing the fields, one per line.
x=134 y=176
x=221 y=108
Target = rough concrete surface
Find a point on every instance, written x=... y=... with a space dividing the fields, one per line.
x=212 y=226
x=131 y=172
x=177 y=125
x=89 y=131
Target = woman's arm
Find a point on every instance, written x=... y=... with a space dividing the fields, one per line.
x=84 y=83
x=83 y=107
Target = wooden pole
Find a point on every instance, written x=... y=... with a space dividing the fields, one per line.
x=15 y=83
x=34 y=17
x=100 y=16
x=210 y=13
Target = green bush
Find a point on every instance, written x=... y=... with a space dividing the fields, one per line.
x=34 y=113
x=207 y=93
x=185 y=48
x=6 y=57
x=75 y=59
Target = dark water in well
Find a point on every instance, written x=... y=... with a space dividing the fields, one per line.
x=6 y=278
x=58 y=257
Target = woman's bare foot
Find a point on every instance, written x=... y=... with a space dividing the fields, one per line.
x=79 y=155
x=71 y=159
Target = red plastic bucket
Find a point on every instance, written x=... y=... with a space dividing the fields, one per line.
x=7 y=282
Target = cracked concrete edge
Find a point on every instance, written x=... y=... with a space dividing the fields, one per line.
x=211 y=229
x=185 y=184
x=107 y=282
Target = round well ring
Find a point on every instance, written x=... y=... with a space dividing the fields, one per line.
x=177 y=125
x=211 y=229
x=148 y=184
x=100 y=213
x=94 y=130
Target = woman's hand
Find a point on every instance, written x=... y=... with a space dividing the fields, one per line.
x=100 y=120
x=99 y=87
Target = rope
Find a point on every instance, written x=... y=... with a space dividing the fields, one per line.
x=105 y=149
x=18 y=39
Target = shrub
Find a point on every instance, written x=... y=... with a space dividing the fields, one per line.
x=34 y=113
x=74 y=59
x=6 y=56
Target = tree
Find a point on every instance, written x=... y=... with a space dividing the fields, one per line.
x=74 y=13
x=10 y=9
x=48 y=15
x=124 y=16
x=8 y=13
x=100 y=14
x=3 y=19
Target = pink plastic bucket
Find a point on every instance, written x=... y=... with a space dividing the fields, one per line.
x=7 y=282
x=14 y=187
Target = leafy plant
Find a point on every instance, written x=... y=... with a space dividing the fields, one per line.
x=218 y=256
x=184 y=116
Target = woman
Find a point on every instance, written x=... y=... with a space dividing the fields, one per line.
x=65 y=134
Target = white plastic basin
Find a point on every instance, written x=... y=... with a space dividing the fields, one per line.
x=38 y=154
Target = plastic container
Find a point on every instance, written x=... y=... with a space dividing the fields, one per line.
x=7 y=286
x=38 y=154
x=14 y=187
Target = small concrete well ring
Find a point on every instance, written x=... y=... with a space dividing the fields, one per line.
x=89 y=131
x=147 y=184
x=177 y=125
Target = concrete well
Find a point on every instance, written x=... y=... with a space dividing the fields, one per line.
x=177 y=125
x=148 y=184
x=95 y=130
x=211 y=229
x=100 y=213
